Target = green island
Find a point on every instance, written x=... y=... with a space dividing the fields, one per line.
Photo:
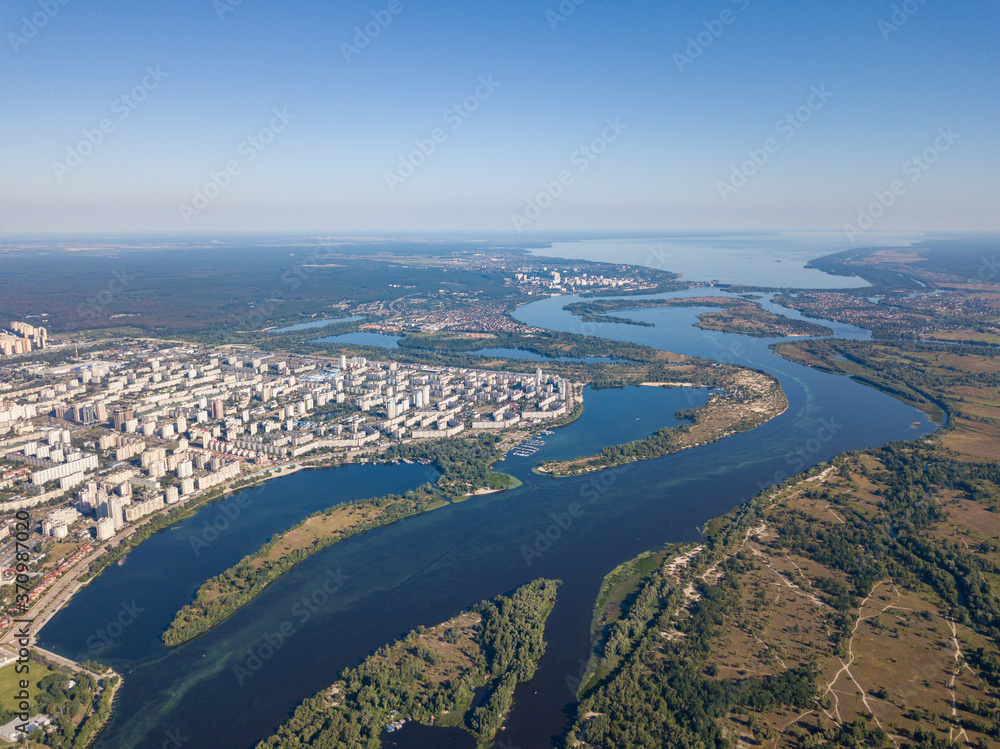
x=736 y=315
x=854 y=605
x=464 y=466
x=431 y=676
x=749 y=399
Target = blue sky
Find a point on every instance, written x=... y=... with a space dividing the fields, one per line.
x=689 y=110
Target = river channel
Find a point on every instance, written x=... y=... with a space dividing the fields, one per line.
x=367 y=591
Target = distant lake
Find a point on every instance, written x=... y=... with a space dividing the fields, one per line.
x=363 y=339
x=773 y=259
x=314 y=324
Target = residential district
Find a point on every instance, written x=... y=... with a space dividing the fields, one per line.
x=90 y=447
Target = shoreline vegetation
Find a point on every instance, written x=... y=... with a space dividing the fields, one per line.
x=78 y=697
x=736 y=315
x=854 y=604
x=432 y=676
x=465 y=468
x=748 y=400
x=226 y=593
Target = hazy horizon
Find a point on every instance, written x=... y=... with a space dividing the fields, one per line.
x=395 y=117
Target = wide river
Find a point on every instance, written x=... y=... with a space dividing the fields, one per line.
x=362 y=593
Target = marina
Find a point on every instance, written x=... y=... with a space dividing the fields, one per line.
x=529 y=447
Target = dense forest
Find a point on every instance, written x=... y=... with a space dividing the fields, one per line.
x=431 y=674
x=464 y=463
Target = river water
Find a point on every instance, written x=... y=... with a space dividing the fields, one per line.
x=367 y=591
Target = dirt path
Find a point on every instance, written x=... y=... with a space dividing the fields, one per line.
x=960 y=734
x=846 y=667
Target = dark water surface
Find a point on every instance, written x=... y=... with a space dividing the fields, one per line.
x=365 y=592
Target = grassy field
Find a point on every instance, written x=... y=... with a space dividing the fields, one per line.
x=503 y=481
x=10 y=680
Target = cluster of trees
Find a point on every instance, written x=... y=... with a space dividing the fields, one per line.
x=391 y=684
x=658 y=693
x=897 y=543
x=77 y=711
x=657 y=594
x=464 y=463
x=233 y=589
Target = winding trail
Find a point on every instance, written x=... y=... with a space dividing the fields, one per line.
x=846 y=667
x=960 y=734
